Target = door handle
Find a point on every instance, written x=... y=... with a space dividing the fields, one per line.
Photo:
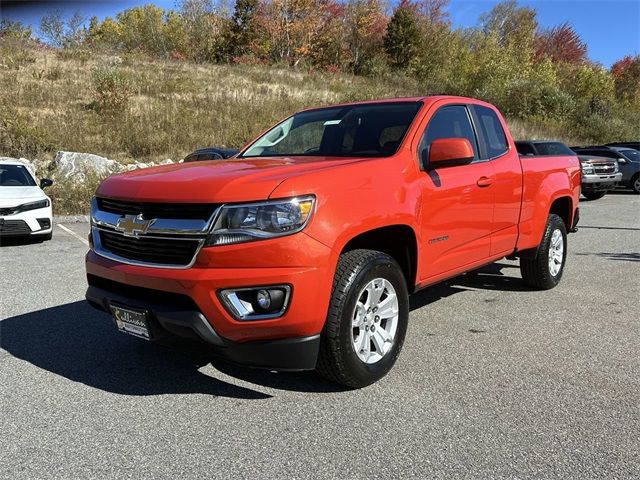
x=484 y=181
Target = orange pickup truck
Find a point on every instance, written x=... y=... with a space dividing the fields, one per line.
x=301 y=252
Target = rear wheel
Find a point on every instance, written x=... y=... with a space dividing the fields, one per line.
x=367 y=319
x=593 y=195
x=635 y=183
x=545 y=270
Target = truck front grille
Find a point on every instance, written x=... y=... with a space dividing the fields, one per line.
x=152 y=250
x=201 y=211
x=604 y=168
x=14 y=227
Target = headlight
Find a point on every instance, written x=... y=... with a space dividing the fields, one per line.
x=587 y=168
x=256 y=221
x=33 y=205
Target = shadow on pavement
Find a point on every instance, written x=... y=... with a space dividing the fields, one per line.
x=82 y=344
x=633 y=229
x=16 y=241
x=490 y=277
x=628 y=257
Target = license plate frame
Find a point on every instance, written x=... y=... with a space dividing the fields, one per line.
x=132 y=321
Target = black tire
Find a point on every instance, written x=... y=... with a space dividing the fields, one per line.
x=337 y=360
x=634 y=185
x=593 y=195
x=536 y=271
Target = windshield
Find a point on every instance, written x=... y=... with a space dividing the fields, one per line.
x=633 y=155
x=371 y=130
x=15 y=176
x=554 y=148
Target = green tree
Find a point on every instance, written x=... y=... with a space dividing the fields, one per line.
x=14 y=30
x=402 y=40
x=242 y=29
x=203 y=30
x=142 y=28
x=514 y=26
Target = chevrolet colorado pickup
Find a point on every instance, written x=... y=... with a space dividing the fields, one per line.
x=301 y=252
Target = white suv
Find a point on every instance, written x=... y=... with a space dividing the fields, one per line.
x=25 y=210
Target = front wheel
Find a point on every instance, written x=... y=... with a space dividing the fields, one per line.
x=367 y=319
x=593 y=195
x=545 y=270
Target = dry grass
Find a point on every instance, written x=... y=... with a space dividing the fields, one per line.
x=51 y=103
x=172 y=108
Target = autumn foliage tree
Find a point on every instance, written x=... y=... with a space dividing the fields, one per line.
x=561 y=44
x=626 y=75
x=529 y=72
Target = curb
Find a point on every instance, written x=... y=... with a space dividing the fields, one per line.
x=71 y=219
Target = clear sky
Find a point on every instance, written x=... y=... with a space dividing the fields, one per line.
x=611 y=28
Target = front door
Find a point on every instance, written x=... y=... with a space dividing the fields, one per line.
x=457 y=201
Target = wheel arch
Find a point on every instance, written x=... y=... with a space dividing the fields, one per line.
x=398 y=241
x=563 y=207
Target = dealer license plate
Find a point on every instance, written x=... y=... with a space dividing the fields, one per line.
x=133 y=322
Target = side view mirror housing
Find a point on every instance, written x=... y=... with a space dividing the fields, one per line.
x=46 y=182
x=445 y=152
x=622 y=160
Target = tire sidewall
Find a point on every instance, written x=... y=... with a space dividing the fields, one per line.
x=556 y=223
x=390 y=271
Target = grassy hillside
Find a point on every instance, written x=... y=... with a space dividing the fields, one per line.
x=132 y=107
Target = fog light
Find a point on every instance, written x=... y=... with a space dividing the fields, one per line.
x=44 y=223
x=264 y=299
x=256 y=303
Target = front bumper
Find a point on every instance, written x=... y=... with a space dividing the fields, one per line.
x=31 y=222
x=299 y=261
x=595 y=182
x=176 y=315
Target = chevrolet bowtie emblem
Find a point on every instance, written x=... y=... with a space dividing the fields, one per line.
x=133 y=225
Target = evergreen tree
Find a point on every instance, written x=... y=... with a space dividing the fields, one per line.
x=402 y=40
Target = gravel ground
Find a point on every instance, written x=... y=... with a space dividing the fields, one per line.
x=495 y=381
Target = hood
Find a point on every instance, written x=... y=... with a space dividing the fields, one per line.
x=233 y=180
x=595 y=159
x=12 y=196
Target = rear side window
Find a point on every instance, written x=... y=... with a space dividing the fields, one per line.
x=490 y=129
x=448 y=122
x=554 y=148
x=525 y=148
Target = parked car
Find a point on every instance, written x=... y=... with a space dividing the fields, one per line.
x=25 y=210
x=211 y=153
x=634 y=145
x=628 y=160
x=301 y=252
x=599 y=174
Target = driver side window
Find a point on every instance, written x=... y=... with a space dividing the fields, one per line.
x=448 y=122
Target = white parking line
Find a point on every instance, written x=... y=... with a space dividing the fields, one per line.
x=74 y=234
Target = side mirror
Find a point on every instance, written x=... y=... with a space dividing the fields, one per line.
x=622 y=160
x=450 y=151
x=45 y=182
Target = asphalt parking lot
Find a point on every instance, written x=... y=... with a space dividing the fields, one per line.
x=494 y=381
